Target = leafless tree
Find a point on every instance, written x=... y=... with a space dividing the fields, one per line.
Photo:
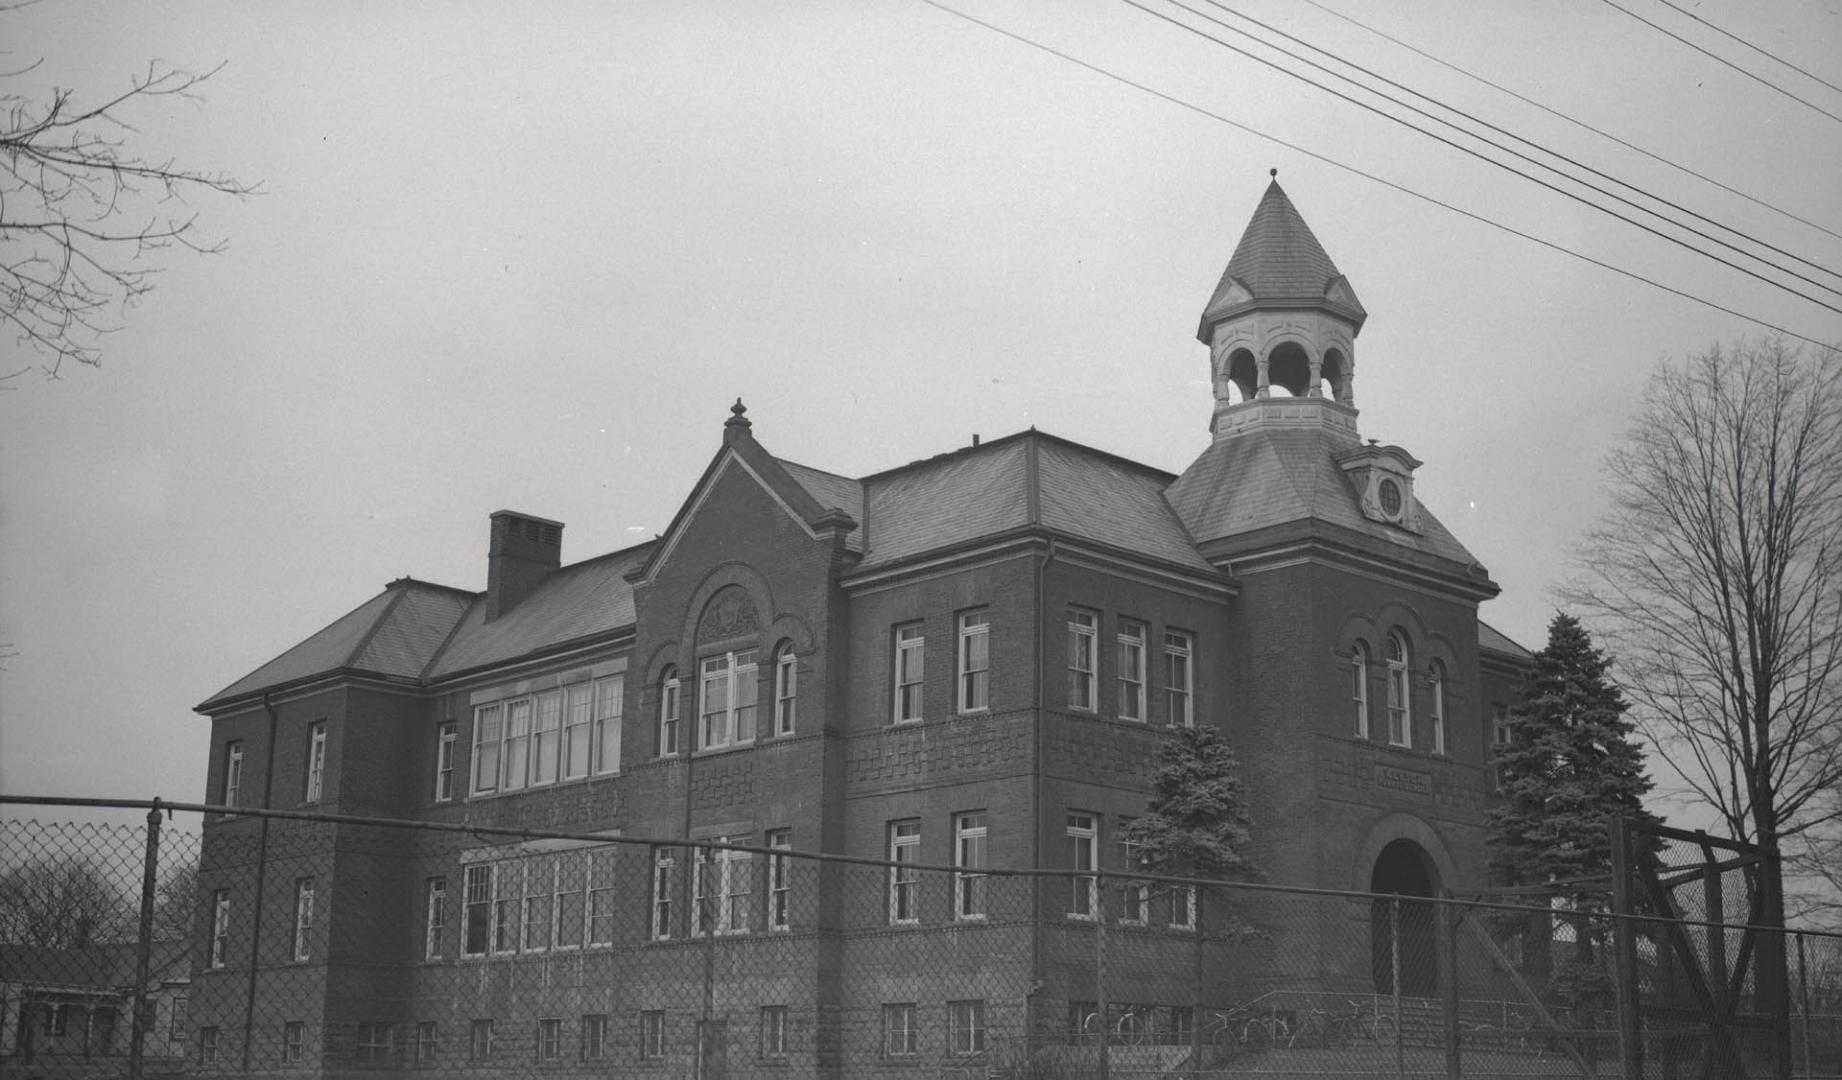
x=175 y=902
x=84 y=214
x=61 y=902
x=1716 y=576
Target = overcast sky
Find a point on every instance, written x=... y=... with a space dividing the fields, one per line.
x=525 y=256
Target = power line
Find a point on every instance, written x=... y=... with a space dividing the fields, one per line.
x=1762 y=81
x=1678 y=241
x=1510 y=134
x=1384 y=35
x=1353 y=170
x=1750 y=45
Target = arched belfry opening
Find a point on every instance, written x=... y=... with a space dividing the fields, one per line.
x=1335 y=377
x=1401 y=935
x=1243 y=376
x=1288 y=370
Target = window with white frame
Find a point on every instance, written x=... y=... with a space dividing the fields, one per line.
x=182 y=1007
x=773 y=1031
x=1400 y=715
x=571 y=886
x=667 y=742
x=546 y=737
x=899 y=1035
x=516 y=755
x=1083 y=846
x=578 y=729
x=786 y=688
x=601 y=896
x=536 y=740
x=233 y=772
x=220 y=928
x=969 y=833
x=780 y=884
x=316 y=761
x=1083 y=632
x=425 y=1042
x=434 y=917
x=476 y=931
x=508 y=897
x=549 y=1038
x=610 y=702
x=1131 y=670
x=1134 y=896
x=652 y=1034
x=728 y=687
x=1437 y=705
x=594 y=1036
x=904 y=879
x=444 y=761
x=1183 y=908
x=303 y=919
x=539 y=901
x=488 y=731
x=974 y=661
x=1179 y=679
x=1359 y=687
x=965 y=1027
x=1499 y=741
x=663 y=865
x=910 y=661
x=722 y=882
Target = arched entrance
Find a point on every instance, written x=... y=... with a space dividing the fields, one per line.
x=1403 y=869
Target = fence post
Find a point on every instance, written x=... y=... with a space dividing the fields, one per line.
x=703 y=872
x=1394 y=959
x=1624 y=953
x=1101 y=1011
x=1803 y=994
x=143 y=945
x=1448 y=987
x=1196 y=975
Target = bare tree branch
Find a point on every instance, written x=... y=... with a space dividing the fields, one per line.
x=84 y=216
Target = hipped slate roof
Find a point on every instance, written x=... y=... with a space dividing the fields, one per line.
x=1490 y=639
x=1280 y=263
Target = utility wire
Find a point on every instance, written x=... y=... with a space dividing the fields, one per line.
x=1354 y=171
x=1750 y=45
x=1219 y=5
x=1475 y=77
x=1488 y=159
x=1762 y=81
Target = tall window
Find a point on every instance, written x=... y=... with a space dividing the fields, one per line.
x=1131 y=670
x=969 y=856
x=207 y=1044
x=965 y=1027
x=729 y=687
x=974 y=661
x=539 y=902
x=293 y=1038
x=594 y=1037
x=303 y=917
x=1179 y=678
x=899 y=1030
x=376 y=1041
x=721 y=885
x=477 y=930
x=1359 y=687
x=786 y=689
x=516 y=756
x=1134 y=896
x=425 y=1042
x=1083 y=842
x=610 y=701
x=444 y=762
x=233 y=772
x=571 y=873
x=550 y=1038
x=668 y=713
x=435 y=917
x=1083 y=631
x=316 y=760
x=507 y=898
x=910 y=654
x=220 y=928
x=662 y=867
x=1437 y=675
x=904 y=880
x=1400 y=717
x=780 y=885
x=578 y=729
x=546 y=737
x=479 y=1040
x=182 y=1006
x=488 y=729
x=1499 y=741
x=652 y=1034
x=601 y=897
x=1183 y=908
x=773 y=1031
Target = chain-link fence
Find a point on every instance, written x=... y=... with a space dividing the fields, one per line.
x=291 y=944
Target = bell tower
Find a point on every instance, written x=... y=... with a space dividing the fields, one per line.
x=1282 y=322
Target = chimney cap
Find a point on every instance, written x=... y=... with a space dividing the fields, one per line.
x=497 y=514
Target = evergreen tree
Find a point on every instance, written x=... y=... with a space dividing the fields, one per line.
x=1571 y=766
x=1197 y=824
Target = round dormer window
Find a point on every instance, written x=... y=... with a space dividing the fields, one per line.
x=1389 y=492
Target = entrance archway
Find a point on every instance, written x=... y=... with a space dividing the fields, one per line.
x=1405 y=870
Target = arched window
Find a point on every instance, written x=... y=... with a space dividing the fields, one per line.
x=1438 y=707
x=1400 y=717
x=1359 y=687
x=668 y=712
x=786 y=688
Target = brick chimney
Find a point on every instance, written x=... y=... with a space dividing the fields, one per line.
x=523 y=550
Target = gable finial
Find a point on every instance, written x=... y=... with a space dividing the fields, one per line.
x=738 y=422
x=1274 y=173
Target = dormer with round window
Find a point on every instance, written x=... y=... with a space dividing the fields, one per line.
x=1382 y=477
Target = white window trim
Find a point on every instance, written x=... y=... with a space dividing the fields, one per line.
x=971 y=883
x=739 y=673
x=538 y=895
x=910 y=1040
x=445 y=738
x=774 y=1041
x=220 y=928
x=780 y=882
x=607 y=711
x=722 y=878
x=663 y=863
x=974 y=630
x=303 y=919
x=1359 y=689
x=1187 y=896
x=434 y=917
x=1083 y=637
x=904 y=884
x=910 y=641
x=233 y=772
x=786 y=690
x=1179 y=644
x=1400 y=691
x=1437 y=706
x=652 y=1034
x=1131 y=639
x=1134 y=896
x=316 y=762
x=484 y=875
x=1084 y=838
x=671 y=713
x=966 y=1018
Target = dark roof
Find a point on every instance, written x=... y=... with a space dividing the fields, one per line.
x=1490 y=639
x=98 y=966
x=573 y=603
x=1279 y=263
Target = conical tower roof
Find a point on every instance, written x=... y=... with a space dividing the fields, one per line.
x=1279 y=264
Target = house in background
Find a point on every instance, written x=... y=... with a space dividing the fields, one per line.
x=67 y=1012
x=966 y=660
